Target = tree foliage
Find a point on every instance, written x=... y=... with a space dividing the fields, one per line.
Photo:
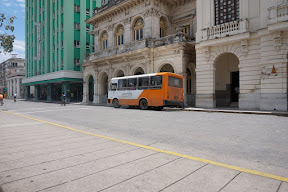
x=6 y=38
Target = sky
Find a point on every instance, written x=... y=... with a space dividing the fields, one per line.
x=15 y=8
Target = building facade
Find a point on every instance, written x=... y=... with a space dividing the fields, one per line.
x=242 y=54
x=12 y=72
x=137 y=37
x=57 y=40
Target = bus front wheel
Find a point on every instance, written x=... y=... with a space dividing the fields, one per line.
x=143 y=104
x=116 y=103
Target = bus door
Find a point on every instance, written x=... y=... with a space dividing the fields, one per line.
x=175 y=89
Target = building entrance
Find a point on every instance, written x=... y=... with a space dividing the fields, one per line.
x=234 y=87
x=76 y=92
x=227 y=80
x=91 y=89
x=104 y=88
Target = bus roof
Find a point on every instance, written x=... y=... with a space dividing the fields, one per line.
x=145 y=75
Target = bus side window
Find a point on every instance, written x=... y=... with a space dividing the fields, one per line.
x=113 y=86
x=132 y=83
x=122 y=84
x=143 y=83
x=156 y=82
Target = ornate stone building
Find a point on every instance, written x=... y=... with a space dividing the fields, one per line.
x=12 y=72
x=141 y=36
x=242 y=54
x=240 y=49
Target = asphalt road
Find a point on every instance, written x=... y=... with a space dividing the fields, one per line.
x=253 y=142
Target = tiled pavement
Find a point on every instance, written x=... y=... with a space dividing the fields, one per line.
x=35 y=156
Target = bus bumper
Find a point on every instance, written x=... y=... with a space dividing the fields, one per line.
x=169 y=103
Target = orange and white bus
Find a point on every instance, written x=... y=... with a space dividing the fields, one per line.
x=149 y=90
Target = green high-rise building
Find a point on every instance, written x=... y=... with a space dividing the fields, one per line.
x=57 y=39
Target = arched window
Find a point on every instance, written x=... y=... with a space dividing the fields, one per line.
x=104 y=40
x=163 y=27
x=119 y=35
x=167 y=68
x=138 y=29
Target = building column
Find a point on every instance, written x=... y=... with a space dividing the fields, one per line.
x=66 y=90
x=185 y=89
x=36 y=92
x=14 y=86
x=85 y=92
x=205 y=96
x=11 y=89
x=127 y=27
x=8 y=88
x=49 y=92
x=96 y=90
x=27 y=92
x=18 y=90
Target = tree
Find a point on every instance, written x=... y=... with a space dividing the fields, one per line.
x=6 y=39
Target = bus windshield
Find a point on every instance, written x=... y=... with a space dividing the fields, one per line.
x=175 y=82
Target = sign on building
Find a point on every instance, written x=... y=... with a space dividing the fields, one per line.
x=39 y=39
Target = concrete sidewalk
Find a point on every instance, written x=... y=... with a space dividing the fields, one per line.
x=196 y=109
x=36 y=156
x=236 y=110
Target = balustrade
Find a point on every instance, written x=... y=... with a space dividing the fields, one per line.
x=135 y=45
x=278 y=13
x=225 y=29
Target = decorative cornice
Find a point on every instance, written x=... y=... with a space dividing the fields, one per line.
x=116 y=7
x=151 y=12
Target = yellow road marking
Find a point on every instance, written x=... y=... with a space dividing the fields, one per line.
x=162 y=151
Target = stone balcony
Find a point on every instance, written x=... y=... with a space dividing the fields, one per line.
x=16 y=72
x=225 y=29
x=278 y=13
x=136 y=45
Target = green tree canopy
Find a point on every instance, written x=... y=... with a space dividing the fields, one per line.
x=6 y=38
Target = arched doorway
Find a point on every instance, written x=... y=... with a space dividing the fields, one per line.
x=91 y=88
x=227 y=80
x=167 y=68
x=191 y=85
x=189 y=81
x=139 y=71
x=120 y=73
x=104 y=88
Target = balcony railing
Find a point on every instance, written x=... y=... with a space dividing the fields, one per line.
x=225 y=30
x=278 y=13
x=135 y=45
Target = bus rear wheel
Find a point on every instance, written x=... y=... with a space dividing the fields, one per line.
x=143 y=104
x=116 y=103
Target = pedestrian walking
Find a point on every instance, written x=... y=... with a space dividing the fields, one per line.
x=63 y=98
x=15 y=96
x=1 y=99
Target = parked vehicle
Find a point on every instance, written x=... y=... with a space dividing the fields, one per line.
x=150 y=90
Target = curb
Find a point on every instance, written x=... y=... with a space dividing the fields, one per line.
x=280 y=114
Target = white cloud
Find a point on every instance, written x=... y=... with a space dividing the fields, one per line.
x=7 y=4
x=4 y=57
x=19 y=45
x=21 y=3
x=18 y=48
